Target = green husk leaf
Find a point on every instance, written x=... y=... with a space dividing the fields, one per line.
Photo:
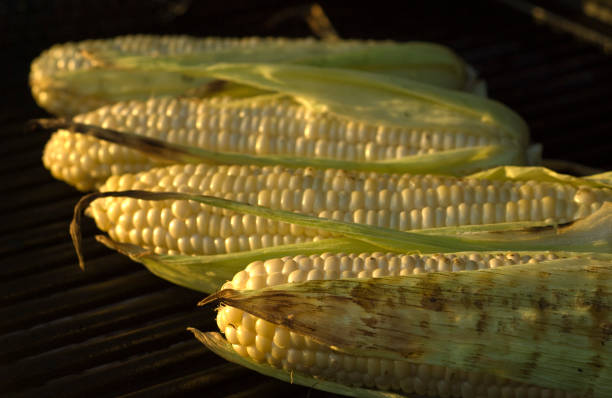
x=109 y=86
x=547 y=324
x=603 y=178
x=427 y=62
x=119 y=76
x=356 y=96
x=217 y=344
x=375 y=98
x=208 y=273
x=592 y=234
x=451 y=162
x=515 y=173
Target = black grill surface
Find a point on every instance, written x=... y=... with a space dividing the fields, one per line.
x=116 y=330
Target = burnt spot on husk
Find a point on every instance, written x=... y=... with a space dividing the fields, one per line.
x=370 y=321
x=432 y=298
x=600 y=312
x=566 y=324
x=482 y=323
x=213 y=87
x=531 y=365
x=362 y=294
x=543 y=304
x=606 y=332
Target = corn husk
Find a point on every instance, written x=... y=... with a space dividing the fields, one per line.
x=455 y=162
x=107 y=71
x=536 y=347
x=547 y=324
x=207 y=273
x=378 y=99
x=512 y=173
x=356 y=96
x=217 y=344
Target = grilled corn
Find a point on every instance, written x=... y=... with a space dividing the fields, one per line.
x=67 y=79
x=403 y=202
x=404 y=342
x=330 y=115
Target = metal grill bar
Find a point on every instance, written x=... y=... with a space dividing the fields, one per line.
x=29 y=313
x=50 y=257
x=102 y=347
x=128 y=374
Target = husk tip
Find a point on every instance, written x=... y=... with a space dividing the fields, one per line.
x=44 y=124
x=221 y=295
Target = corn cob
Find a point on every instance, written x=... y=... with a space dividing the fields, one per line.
x=66 y=81
x=264 y=342
x=274 y=127
x=401 y=202
x=330 y=116
x=361 y=364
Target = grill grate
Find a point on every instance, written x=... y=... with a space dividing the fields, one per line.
x=115 y=329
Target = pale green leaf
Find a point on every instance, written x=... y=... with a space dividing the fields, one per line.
x=216 y=343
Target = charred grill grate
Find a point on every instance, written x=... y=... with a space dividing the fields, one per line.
x=115 y=329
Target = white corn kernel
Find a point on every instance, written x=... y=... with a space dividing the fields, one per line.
x=293 y=352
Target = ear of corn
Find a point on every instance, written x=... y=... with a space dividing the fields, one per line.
x=324 y=118
x=433 y=347
x=397 y=202
x=85 y=161
x=206 y=273
x=66 y=79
